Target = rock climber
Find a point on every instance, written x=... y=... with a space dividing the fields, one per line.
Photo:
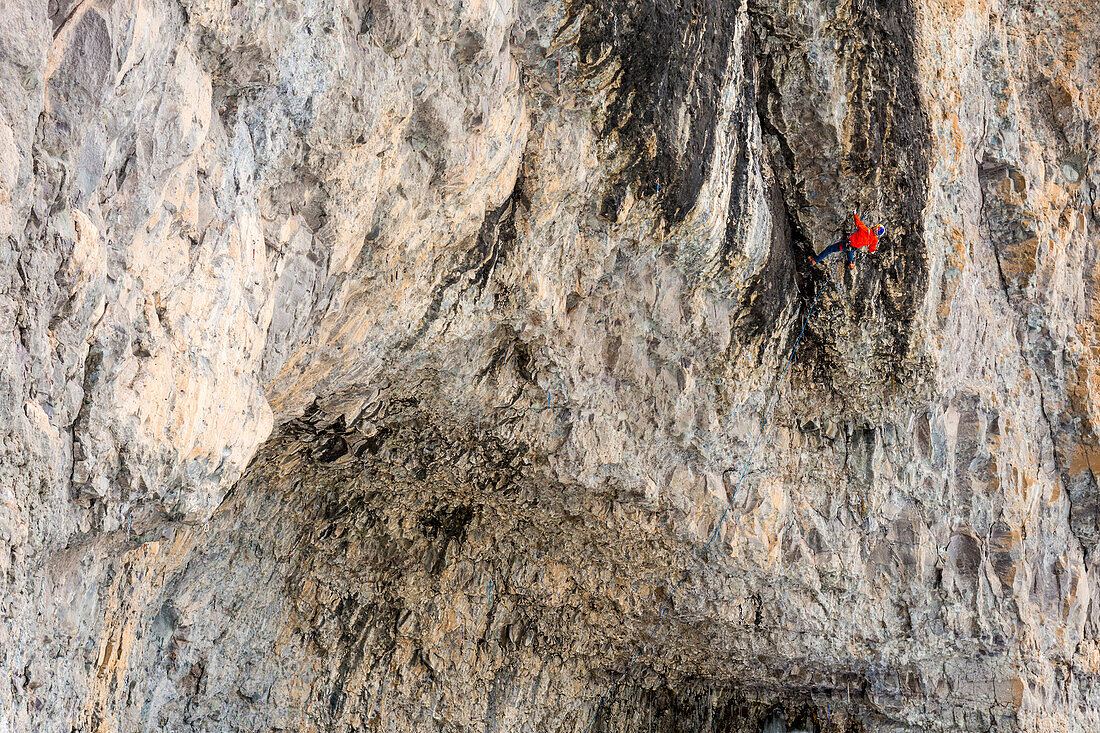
x=862 y=237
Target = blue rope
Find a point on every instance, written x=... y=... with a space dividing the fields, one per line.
x=721 y=519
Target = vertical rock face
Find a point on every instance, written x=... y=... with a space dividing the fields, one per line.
x=375 y=365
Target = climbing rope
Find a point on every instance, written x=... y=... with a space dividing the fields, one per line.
x=722 y=518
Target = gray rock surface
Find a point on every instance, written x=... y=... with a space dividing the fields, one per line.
x=377 y=365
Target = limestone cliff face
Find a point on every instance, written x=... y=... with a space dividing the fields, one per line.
x=378 y=365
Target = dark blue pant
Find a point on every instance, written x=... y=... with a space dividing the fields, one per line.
x=833 y=249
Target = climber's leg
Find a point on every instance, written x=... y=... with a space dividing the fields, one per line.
x=831 y=249
x=851 y=252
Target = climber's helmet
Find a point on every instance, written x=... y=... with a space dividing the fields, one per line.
x=879 y=231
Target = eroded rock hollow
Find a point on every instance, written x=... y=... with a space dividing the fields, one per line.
x=387 y=365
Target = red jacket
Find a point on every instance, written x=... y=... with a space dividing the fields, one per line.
x=863 y=237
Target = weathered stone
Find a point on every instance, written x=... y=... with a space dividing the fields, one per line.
x=390 y=365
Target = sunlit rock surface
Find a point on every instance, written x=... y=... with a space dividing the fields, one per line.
x=377 y=365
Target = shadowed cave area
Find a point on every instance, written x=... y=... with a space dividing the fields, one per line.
x=370 y=575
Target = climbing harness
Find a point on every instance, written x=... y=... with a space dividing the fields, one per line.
x=722 y=518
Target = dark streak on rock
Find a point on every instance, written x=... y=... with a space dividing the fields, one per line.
x=494 y=241
x=885 y=160
x=891 y=152
x=671 y=61
x=768 y=295
x=772 y=288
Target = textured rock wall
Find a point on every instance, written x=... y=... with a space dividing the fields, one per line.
x=378 y=365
